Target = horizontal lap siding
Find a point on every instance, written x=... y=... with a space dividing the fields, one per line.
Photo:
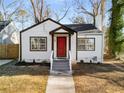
x=41 y=30
x=90 y=54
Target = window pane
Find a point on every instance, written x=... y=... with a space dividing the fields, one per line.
x=38 y=43
x=86 y=44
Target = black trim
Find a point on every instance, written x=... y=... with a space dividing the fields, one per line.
x=52 y=32
x=64 y=27
x=61 y=33
x=20 y=47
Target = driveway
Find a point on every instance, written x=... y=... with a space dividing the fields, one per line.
x=2 y=62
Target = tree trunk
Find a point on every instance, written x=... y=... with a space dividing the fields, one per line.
x=94 y=20
x=115 y=29
x=102 y=12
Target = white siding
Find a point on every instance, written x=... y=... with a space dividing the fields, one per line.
x=88 y=55
x=44 y=29
x=61 y=31
x=39 y=30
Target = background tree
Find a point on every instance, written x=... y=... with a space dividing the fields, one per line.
x=95 y=5
x=77 y=20
x=96 y=8
x=1 y=17
x=62 y=13
x=102 y=12
x=5 y=12
x=22 y=17
x=41 y=11
x=115 y=34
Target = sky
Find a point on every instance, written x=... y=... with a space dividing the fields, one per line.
x=58 y=6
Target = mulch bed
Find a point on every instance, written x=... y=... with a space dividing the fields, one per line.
x=30 y=64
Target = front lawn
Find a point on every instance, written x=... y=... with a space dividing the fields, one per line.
x=99 y=78
x=23 y=79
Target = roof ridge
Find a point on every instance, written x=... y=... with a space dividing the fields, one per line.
x=78 y=24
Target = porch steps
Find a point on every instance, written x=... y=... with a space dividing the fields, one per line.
x=61 y=65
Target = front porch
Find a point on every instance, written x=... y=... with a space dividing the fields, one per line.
x=61 y=59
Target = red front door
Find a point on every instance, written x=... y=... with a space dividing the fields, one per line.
x=61 y=46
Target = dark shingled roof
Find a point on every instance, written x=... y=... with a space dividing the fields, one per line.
x=3 y=24
x=80 y=27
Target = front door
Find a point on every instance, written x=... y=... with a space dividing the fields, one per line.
x=61 y=46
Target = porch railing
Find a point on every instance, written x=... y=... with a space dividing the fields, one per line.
x=51 y=60
x=70 y=58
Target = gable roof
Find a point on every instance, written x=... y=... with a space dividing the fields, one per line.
x=3 y=24
x=81 y=27
x=70 y=31
x=69 y=27
x=63 y=26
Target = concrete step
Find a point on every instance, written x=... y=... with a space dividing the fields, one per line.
x=61 y=69
x=64 y=66
x=60 y=60
x=60 y=63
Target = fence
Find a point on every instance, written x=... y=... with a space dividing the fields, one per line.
x=9 y=51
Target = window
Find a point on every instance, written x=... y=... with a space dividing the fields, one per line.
x=38 y=43
x=86 y=44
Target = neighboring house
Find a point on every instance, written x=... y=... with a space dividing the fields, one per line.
x=61 y=44
x=8 y=33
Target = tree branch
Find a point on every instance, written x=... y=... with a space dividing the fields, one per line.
x=34 y=10
x=64 y=14
x=84 y=9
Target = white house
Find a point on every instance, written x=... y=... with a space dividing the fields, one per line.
x=61 y=45
x=8 y=33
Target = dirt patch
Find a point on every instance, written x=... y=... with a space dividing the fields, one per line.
x=99 y=78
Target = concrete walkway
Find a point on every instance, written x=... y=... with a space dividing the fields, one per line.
x=60 y=84
x=2 y=62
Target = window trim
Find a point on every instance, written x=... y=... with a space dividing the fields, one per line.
x=38 y=37
x=86 y=38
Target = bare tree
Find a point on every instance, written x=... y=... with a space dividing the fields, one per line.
x=5 y=11
x=102 y=12
x=22 y=17
x=41 y=11
x=95 y=5
x=61 y=14
x=77 y=20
